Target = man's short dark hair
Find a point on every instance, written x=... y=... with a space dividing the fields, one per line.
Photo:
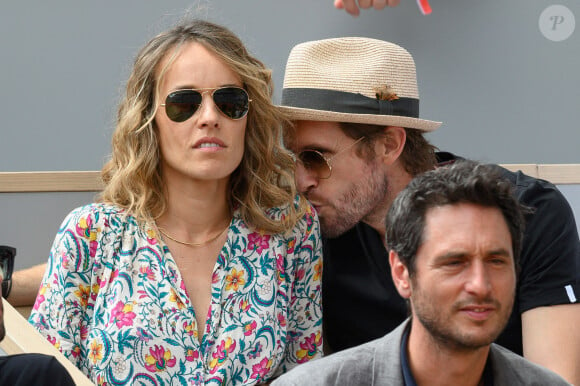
x=462 y=182
x=418 y=154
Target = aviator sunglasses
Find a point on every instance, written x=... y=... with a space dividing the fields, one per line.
x=233 y=102
x=316 y=163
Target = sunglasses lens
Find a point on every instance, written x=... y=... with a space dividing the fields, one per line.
x=232 y=101
x=181 y=105
x=315 y=162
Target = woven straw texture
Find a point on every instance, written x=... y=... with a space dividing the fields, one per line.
x=355 y=65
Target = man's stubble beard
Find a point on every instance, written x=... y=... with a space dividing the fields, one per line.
x=444 y=332
x=359 y=201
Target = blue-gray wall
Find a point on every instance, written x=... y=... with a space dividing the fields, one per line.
x=505 y=92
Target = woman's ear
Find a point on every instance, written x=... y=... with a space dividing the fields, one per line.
x=392 y=144
x=400 y=275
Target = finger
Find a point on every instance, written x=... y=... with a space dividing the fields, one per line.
x=393 y=3
x=379 y=4
x=338 y=4
x=365 y=4
x=351 y=7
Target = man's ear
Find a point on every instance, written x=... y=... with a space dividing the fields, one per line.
x=392 y=144
x=400 y=275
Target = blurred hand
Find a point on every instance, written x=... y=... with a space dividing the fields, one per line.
x=354 y=6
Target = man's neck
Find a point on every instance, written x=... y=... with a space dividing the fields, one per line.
x=433 y=363
x=398 y=180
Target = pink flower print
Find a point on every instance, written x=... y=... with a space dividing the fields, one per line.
x=309 y=222
x=256 y=351
x=249 y=328
x=122 y=314
x=93 y=245
x=174 y=297
x=39 y=300
x=159 y=359
x=191 y=354
x=291 y=245
x=94 y=291
x=258 y=242
x=84 y=331
x=300 y=274
x=151 y=236
x=40 y=297
x=260 y=370
x=282 y=320
x=83 y=227
x=53 y=341
x=101 y=380
x=142 y=294
x=280 y=263
x=215 y=277
x=308 y=348
x=65 y=261
x=225 y=347
x=143 y=335
x=147 y=272
x=280 y=269
x=190 y=329
x=244 y=305
x=114 y=275
x=219 y=356
x=76 y=351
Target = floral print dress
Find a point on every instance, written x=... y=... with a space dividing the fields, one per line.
x=114 y=303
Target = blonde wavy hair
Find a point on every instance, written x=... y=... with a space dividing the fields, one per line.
x=265 y=176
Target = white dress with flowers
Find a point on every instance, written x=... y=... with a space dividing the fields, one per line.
x=114 y=302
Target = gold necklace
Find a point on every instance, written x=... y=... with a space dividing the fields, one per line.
x=161 y=230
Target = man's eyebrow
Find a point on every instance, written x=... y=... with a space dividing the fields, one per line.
x=460 y=255
x=499 y=252
x=450 y=255
x=319 y=148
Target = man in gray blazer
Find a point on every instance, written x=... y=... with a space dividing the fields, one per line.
x=454 y=236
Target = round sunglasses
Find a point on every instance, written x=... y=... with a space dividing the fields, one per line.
x=316 y=163
x=233 y=102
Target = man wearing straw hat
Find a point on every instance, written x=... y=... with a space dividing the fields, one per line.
x=359 y=141
x=454 y=236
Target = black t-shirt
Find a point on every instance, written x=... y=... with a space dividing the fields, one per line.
x=33 y=369
x=361 y=303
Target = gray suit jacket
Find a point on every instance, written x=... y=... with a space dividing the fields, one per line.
x=378 y=363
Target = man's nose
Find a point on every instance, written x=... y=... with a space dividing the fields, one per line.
x=305 y=179
x=478 y=281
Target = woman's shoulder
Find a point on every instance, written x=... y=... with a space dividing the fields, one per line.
x=99 y=213
x=97 y=209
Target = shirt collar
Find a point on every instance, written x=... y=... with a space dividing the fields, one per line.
x=408 y=378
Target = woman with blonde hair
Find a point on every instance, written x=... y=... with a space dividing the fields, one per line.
x=200 y=264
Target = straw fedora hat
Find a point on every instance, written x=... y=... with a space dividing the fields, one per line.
x=358 y=80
